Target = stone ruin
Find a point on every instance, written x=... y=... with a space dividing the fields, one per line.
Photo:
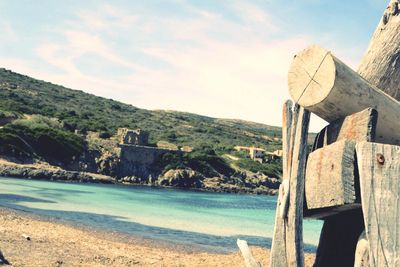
x=136 y=137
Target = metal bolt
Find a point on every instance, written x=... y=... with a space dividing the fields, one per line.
x=380 y=158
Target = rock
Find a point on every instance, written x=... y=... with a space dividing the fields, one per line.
x=186 y=178
x=27 y=237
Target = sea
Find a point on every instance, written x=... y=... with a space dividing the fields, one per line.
x=201 y=220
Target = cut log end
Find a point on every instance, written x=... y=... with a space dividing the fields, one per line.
x=311 y=76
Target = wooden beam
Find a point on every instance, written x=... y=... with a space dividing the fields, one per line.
x=323 y=84
x=360 y=126
x=330 y=179
x=381 y=65
x=379 y=168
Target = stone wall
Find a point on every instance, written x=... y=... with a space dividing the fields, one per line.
x=137 y=160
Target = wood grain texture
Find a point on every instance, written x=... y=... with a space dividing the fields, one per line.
x=287 y=245
x=330 y=179
x=249 y=260
x=360 y=126
x=381 y=62
x=362 y=252
x=278 y=247
x=379 y=169
x=294 y=230
x=323 y=84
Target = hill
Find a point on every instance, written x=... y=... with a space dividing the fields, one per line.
x=48 y=116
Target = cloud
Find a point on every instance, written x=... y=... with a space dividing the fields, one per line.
x=203 y=62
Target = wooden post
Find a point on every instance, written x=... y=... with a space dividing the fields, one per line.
x=360 y=126
x=381 y=63
x=278 y=247
x=294 y=231
x=321 y=83
x=287 y=246
x=379 y=168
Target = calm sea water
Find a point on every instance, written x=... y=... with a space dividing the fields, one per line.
x=211 y=221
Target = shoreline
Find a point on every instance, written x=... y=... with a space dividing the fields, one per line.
x=46 y=172
x=54 y=243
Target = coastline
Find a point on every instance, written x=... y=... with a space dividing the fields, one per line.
x=57 y=244
x=46 y=172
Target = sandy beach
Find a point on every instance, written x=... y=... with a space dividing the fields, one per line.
x=55 y=244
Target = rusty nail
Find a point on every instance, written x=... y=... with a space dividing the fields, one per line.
x=380 y=158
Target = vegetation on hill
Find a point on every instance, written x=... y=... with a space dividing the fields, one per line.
x=50 y=144
x=64 y=111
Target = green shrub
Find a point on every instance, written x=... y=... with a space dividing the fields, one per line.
x=203 y=161
x=49 y=143
x=273 y=169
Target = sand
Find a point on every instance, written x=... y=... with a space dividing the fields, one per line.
x=56 y=244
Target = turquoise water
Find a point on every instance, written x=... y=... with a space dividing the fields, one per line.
x=206 y=220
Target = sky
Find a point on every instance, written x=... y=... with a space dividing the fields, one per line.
x=225 y=59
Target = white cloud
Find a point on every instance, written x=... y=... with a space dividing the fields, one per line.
x=212 y=65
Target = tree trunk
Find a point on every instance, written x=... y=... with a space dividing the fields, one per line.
x=381 y=63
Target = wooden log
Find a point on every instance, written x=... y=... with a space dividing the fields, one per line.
x=323 y=84
x=249 y=260
x=294 y=230
x=330 y=179
x=381 y=65
x=360 y=126
x=379 y=168
x=278 y=247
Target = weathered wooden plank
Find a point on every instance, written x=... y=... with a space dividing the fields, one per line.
x=379 y=169
x=323 y=84
x=249 y=260
x=339 y=238
x=287 y=246
x=278 y=247
x=294 y=230
x=360 y=126
x=330 y=179
x=380 y=65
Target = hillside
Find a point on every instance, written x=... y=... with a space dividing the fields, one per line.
x=42 y=120
x=86 y=112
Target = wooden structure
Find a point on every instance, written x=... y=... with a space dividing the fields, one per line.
x=351 y=177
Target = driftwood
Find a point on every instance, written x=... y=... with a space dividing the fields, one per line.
x=287 y=245
x=330 y=179
x=362 y=252
x=323 y=84
x=360 y=126
x=249 y=260
x=357 y=127
x=294 y=231
x=278 y=247
x=379 y=168
x=381 y=65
